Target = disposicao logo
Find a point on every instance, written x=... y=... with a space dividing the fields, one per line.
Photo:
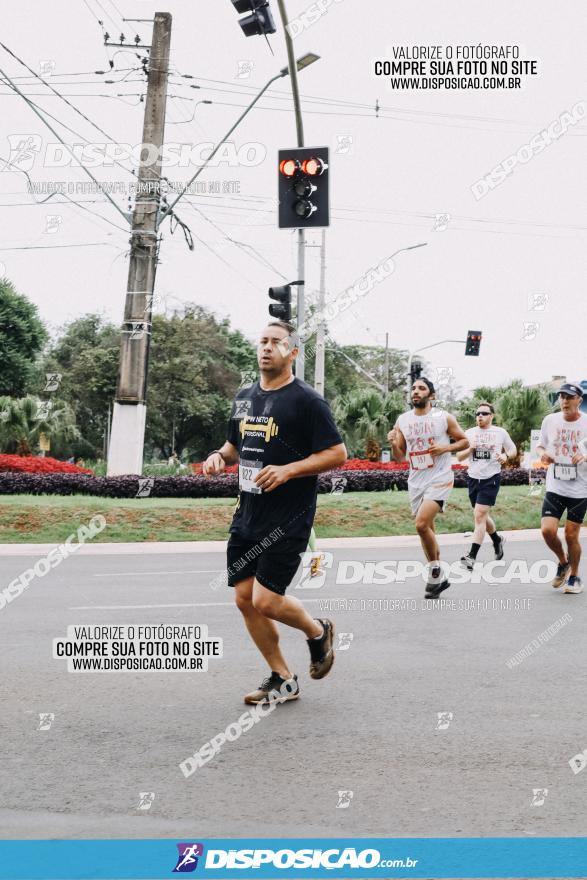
x=187 y=859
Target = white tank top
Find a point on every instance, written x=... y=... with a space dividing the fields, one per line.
x=421 y=431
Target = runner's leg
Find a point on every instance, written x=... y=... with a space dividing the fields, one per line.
x=427 y=511
x=572 y=532
x=262 y=630
x=285 y=609
x=549 y=527
x=491 y=527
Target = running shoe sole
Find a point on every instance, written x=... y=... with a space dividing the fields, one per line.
x=569 y=589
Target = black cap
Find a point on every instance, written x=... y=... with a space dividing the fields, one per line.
x=571 y=388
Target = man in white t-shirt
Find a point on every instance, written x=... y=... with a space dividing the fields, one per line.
x=562 y=445
x=489 y=448
x=423 y=436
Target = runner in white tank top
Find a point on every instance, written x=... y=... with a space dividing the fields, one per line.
x=422 y=437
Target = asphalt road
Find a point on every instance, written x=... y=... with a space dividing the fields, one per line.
x=371 y=727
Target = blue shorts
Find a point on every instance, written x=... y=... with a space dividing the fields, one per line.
x=484 y=491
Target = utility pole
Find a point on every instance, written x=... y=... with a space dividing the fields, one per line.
x=320 y=330
x=125 y=455
x=386 y=363
x=293 y=72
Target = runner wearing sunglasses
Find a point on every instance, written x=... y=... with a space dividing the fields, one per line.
x=562 y=445
x=489 y=448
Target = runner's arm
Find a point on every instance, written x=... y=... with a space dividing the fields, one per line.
x=325 y=460
x=217 y=461
x=273 y=476
x=456 y=433
x=398 y=443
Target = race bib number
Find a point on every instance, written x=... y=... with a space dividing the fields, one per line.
x=480 y=453
x=565 y=471
x=247 y=473
x=421 y=460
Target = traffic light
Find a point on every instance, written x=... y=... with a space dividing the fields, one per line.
x=473 y=343
x=282 y=308
x=415 y=370
x=303 y=188
x=260 y=21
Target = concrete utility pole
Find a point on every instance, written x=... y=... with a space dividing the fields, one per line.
x=125 y=455
x=321 y=328
x=293 y=72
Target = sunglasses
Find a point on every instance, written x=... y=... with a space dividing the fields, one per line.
x=483 y=414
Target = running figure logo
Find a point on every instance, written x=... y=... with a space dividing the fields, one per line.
x=539 y=796
x=187 y=860
x=46 y=719
x=344 y=800
x=309 y=580
x=344 y=641
x=444 y=719
x=146 y=799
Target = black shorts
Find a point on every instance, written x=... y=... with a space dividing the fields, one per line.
x=273 y=566
x=555 y=505
x=484 y=491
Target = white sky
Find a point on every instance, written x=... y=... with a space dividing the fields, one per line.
x=526 y=237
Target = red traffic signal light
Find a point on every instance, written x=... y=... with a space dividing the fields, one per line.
x=303 y=188
x=473 y=343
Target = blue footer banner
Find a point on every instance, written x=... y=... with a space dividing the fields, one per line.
x=551 y=857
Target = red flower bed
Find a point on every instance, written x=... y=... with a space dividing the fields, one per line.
x=352 y=464
x=29 y=464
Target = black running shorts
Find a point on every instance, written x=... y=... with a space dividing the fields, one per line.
x=555 y=505
x=274 y=566
x=484 y=491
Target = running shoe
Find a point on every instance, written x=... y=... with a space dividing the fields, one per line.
x=270 y=690
x=573 y=585
x=433 y=591
x=322 y=651
x=561 y=575
x=468 y=562
x=499 y=548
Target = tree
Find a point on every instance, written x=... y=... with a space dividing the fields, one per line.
x=86 y=357
x=22 y=421
x=521 y=409
x=364 y=417
x=342 y=377
x=22 y=336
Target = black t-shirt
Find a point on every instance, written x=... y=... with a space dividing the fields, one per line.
x=278 y=427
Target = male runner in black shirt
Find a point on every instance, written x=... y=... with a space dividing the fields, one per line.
x=282 y=434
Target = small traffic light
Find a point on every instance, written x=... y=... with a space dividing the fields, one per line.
x=260 y=21
x=282 y=308
x=415 y=370
x=473 y=343
x=303 y=188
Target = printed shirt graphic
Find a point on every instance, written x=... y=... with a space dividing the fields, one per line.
x=421 y=432
x=278 y=427
x=489 y=444
x=561 y=440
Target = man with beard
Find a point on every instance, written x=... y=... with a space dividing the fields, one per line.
x=423 y=436
x=562 y=446
x=282 y=434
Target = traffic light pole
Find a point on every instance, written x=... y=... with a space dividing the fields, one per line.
x=125 y=454
x=320 y=330
x=293 y=72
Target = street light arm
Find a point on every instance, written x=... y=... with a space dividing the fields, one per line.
x=170 y=207
x=358 y=367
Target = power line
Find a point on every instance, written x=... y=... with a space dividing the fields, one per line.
x=47 y=247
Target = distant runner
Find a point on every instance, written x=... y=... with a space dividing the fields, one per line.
x=423 y=436
x=282 y=434
x=489 y=448
x=562 y=445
